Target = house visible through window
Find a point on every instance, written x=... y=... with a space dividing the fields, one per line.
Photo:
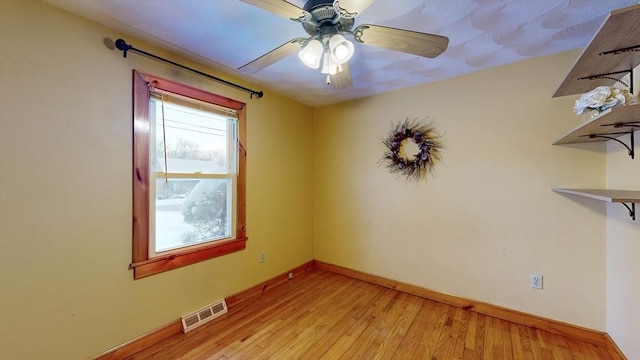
x=195 y=173
x=189 y=158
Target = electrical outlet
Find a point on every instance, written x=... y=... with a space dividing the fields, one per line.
x=536 y=281
x=263 y=258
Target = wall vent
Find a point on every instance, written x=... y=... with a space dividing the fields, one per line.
x=203 y=316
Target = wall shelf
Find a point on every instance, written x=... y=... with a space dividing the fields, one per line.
x=628 y=198
x=612 y=53
x=608 y=125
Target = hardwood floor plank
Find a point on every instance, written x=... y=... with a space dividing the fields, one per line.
x=463 y=318
x=234 y=349
x=490 y=338
x=446 y=341
x=561 y=350
x=389 y=343
x=601 y=352
x=308 y=323
x=524 y=348
x=289 y=311
x=481 y=328
x=376 y=328
x=536 y=347
x=350 y=341
x=410 y=344
x=507 y=346
x=322 y=315
x=387 y=328
x=539 y=340
x=516 y=342
x=432 y=335
x=315 y=326
x=470 y=340
x=355 y=311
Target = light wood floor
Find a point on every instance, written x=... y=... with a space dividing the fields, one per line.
x=321 y=315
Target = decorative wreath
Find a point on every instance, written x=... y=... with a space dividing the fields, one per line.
x=414 y=167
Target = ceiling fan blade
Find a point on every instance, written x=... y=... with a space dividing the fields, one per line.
x=280 y=7
x=272 y=56
x=406 y=41
x=342 y=80
x=354 y=6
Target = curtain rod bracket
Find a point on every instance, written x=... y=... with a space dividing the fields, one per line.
x=124 y=47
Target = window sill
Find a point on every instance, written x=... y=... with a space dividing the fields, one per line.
x=164 y=263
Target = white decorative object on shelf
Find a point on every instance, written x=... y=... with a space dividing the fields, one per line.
x=603 y=98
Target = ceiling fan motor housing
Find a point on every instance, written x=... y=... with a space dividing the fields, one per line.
x=324 y=15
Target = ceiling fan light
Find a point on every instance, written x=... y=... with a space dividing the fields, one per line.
x=341 y=49
x=326 y=63
x=311 y=54
x=328 y=66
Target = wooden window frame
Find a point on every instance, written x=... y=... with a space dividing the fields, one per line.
x=141 y=264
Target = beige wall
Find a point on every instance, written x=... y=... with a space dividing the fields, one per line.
x=65 y=178
x=623 y=249
x=487 y=218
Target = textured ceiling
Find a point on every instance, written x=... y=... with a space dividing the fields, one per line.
x=482 y=33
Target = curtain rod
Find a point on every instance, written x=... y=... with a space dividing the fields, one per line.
x=124 y=47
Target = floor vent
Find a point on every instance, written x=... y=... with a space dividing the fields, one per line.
x=203 y=316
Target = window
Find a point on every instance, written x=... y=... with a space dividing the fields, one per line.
x=188 y=175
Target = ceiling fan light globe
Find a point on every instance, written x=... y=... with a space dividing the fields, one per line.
x=311 y=54
x=341 y=49
x=326 y=63
x=308 y=59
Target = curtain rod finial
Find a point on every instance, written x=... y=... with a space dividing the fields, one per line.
x=123 y=46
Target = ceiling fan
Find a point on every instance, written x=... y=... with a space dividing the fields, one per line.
x=327 y=22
